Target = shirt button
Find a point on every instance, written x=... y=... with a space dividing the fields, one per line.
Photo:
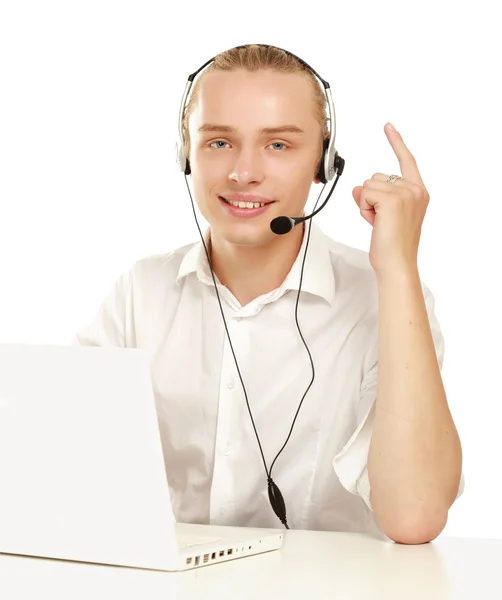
x=230 y=384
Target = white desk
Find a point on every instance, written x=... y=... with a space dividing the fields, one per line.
x=311 y=565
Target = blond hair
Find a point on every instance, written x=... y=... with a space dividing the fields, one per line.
x=255 y=57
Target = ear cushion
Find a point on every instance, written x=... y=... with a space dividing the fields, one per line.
x=322 y=172
x=181 y=159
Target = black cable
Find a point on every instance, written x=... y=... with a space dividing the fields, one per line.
x=274 y=493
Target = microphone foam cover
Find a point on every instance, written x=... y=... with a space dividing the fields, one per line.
x=281 y=225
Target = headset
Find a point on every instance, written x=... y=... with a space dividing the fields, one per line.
x=331 y=164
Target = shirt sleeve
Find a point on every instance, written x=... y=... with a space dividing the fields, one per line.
x=111 y=324
x=351 y=462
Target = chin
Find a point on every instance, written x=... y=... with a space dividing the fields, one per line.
x=257 y=234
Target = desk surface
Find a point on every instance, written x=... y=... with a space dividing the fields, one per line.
x=311 y=565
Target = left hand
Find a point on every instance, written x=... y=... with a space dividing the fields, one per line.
x=395 y=210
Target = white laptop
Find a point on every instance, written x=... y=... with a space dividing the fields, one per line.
x=82 y=473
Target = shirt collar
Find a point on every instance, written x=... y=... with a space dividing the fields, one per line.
x=195 y=261
x=318 y=275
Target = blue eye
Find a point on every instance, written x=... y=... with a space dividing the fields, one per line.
x=221 y=144
x=218 y=142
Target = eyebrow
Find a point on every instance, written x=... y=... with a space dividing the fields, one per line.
x=263 y=131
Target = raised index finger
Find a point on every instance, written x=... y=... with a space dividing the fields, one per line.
x=407 y=162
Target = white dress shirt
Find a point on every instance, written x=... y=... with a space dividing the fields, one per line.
x=166 y=304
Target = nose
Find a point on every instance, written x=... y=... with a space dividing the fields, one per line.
x=247 y=168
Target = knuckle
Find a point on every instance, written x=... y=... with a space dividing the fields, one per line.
x=418 y=192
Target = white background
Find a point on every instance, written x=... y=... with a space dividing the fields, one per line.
x=89 y=102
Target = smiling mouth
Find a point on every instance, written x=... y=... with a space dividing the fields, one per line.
x=241 y=204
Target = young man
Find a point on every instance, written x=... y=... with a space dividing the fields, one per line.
x=373 y=448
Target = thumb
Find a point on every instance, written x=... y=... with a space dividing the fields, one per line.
x=366 y=210
x=356 y=194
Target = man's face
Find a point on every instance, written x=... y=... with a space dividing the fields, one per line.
x=254 y=138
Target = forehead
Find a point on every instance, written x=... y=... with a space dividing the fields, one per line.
x=261 y=98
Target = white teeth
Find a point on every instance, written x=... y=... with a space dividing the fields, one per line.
x=245 y=204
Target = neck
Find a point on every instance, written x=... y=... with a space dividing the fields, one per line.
x=251 y=271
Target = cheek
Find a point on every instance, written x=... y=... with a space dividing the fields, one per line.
x=208 y=171
x=206 y=182
x=201 y=187
x=298 y=176
x=301 y=166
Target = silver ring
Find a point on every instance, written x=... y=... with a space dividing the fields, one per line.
x=393 y=178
